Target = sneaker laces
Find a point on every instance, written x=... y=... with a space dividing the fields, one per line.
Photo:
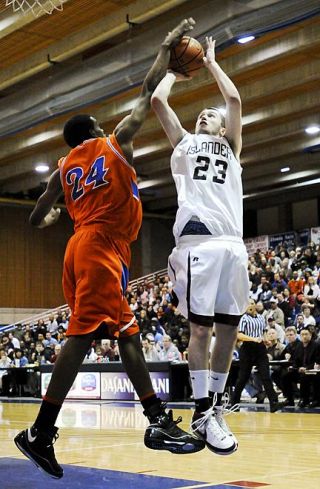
x=221 y=411
x=226 y=402
x=208 y=422
x=49 y=438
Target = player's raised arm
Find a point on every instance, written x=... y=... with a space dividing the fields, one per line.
x=166 y=115
x=43 y=214
x=127 y=128
x=231 y=97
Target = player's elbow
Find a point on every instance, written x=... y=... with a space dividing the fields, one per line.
x=156 y=102
x=234 y=101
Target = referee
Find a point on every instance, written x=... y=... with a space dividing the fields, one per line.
x=254 y=353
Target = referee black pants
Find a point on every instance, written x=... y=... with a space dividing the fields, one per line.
x=253 y=354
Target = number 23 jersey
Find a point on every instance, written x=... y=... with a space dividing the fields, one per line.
x=207 y=176
x=100 y=187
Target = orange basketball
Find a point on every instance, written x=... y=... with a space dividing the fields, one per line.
x=186 y=57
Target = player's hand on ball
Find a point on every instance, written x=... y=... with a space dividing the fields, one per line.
x=210 y=56
x=51 y=218
x=178 y=32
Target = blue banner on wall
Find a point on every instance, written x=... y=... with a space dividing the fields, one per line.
x=284 y=239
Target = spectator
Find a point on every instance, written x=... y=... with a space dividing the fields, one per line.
x=5 y=362
x=169 y=352
x=285 y=308
x=149 y=351
x=39 y=356
x=275 y=312
x=19 y=359
x=255 y=292
x=57 y=350
x=307 y=316
x=266 y=293
x=108 y=351
x=311 y=289
x=273 y=345
x=13 y=340
x=296 y=284
x=49 y=340
x=300 y=323
x=52 y=325
x=278 y=283
x=305 y=357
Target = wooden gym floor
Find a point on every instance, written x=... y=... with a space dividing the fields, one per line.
x=101 y=446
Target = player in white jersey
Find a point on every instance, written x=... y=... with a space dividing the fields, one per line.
x=208 y=266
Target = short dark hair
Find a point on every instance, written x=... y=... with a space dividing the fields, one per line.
x=78 y=129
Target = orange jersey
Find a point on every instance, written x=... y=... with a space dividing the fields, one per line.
x=100 y=187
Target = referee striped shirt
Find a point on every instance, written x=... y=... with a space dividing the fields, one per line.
x=252 y=326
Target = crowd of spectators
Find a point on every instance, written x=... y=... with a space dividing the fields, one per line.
x=284 y=285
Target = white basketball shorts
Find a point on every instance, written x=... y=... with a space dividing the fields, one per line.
x=210 y=278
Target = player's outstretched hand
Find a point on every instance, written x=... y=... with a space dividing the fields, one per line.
x=173 y=38
x=210 y=56
x=51 y=218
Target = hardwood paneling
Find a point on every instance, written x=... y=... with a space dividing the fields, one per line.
x=31 y=260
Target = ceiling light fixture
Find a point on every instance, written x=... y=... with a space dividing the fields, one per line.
x=42 y=168
x=244 y=40
x=285 y=169
x=312 y=129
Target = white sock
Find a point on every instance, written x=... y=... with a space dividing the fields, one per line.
x=200 y=383
x=217 y=381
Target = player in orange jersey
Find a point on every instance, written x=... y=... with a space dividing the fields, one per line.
x=102 y=199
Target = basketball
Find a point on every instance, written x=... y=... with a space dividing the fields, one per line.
x=186 y=57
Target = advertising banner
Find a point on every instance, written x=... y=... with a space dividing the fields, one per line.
x=257 y=243
x=85 y=386
x=117 y=386
x=315 y=235
x=285 y=239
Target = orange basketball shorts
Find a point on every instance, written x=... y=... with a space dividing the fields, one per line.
x=95 y=276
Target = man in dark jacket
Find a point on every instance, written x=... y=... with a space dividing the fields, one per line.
x=306 y=355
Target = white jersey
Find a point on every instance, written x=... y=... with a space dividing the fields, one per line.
x=208 y=181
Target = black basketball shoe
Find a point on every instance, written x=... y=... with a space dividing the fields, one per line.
x=164 y=434
x=38 y=447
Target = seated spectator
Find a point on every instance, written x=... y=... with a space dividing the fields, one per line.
x=296 y=284
x=275 y=312
x=169 y=352
x=271 y=324
x=285 y=307
x=311 y=289
x=273 y=345
x=39 y=357
x=157 y=330
x=306 y=355
x=278 y=283
x=107 y=350
x=49 y=340
x=149 y=351
x=57 y=350
x=52 y=324
x=19 y=331
x=266 y=293
x=299 y=323
x=40 y=329
x=307 y=316
x=13 y=340
x=19 y=360
x=5 y=362
x=255 y=292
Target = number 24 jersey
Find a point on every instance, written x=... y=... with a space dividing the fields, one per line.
x=100 y=187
